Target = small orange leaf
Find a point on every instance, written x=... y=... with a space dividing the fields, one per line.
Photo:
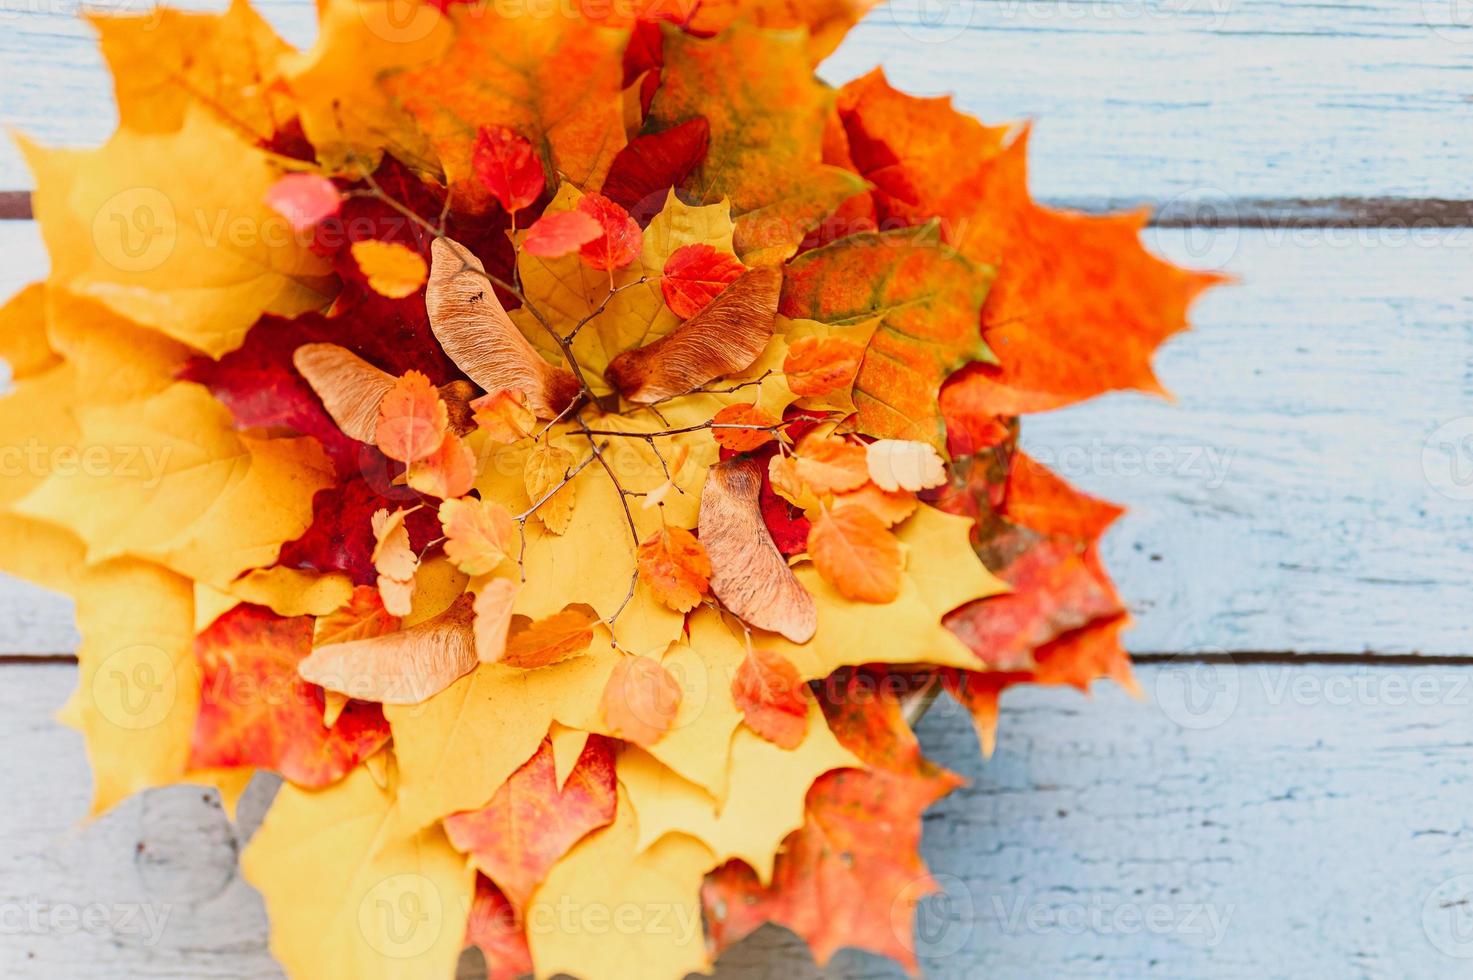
x=493 y=608
x=560 y=233
x=412 y=419
x=819 y=365
x=743 y=437
x=393 y=270
x=695 y=275
x=448 y=472
x=504 y=416
x=828 y=465
x=641 y=700
x=770 y=693
x=855 y=552
x=674 y=564
x=890 y=506
x=619 y=240
x=551 y=639
x=477 y=534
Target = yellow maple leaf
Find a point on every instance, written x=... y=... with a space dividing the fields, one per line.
x=345 y=113
x=941 y=573
x=24 y=345
x=763 y=804
x=165 y=61
x=193 y=251
x=352 y=891
x=168 y=478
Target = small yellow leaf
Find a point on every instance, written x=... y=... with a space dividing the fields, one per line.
x=904 y=464
x=478 y=534
x=393 y=270
x=548 y=486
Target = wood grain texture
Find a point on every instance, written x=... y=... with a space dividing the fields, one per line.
x=1284 y=502
x=1188 y=104
x=1295 y=821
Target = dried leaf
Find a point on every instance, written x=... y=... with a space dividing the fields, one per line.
x=406 y=667
x=773 y=698
x=507 y=166
x=724 y=338
x=550 y=640
x=393 y=270
x=475 y=331
x=304 y=199
x=394 y=560
x=531 y=822
x=548 y=486
x=412 y=419
x=695 y=275
x=748 y=574
x=619 y=240
x=641 y=700
x=904 y=464
x=855 y=552
x=478 y=534
x=559 y=233
x=674 y=564
x=351 y=389
x=494 y=603
x=819 y=365
x=822 y=465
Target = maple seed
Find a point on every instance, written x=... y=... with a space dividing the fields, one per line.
x=407 y=667
x=748 y=573
x=351 y=389
x=472 y=326
x=724 y=338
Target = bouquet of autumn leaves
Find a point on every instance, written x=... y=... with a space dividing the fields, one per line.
x=571 y=439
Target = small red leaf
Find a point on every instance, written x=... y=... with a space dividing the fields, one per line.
x=507 y=166
x=554 y=235
x=619 y=240
x=695 y=275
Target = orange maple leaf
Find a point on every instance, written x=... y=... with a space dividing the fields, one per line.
x=530 y=823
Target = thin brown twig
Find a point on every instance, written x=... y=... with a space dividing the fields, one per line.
x=628 y=514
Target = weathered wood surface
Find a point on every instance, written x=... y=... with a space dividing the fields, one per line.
x=1311 y=821
x=1283 y=503
x=1206 y=105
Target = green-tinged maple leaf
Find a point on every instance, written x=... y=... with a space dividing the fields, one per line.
x=927 y=297
x=766 y=111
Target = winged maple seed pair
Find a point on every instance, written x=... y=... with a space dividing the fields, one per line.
x=855 y=491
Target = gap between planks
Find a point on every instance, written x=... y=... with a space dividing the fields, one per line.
x=1244 y=658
